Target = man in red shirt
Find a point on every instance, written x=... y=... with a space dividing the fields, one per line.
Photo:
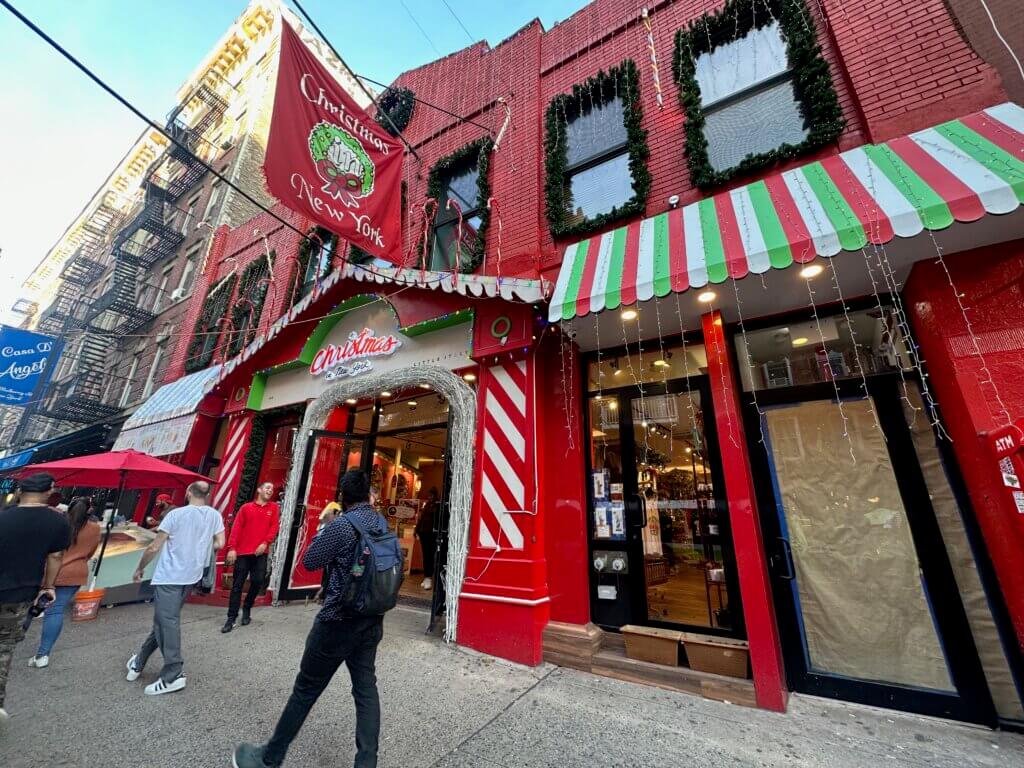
x=252 y=533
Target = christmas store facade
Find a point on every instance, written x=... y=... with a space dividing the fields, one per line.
x=746 y=397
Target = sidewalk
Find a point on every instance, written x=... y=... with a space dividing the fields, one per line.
x=443 y=707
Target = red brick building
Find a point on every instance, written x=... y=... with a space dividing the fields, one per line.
x=767 y=405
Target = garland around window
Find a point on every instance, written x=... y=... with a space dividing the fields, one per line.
x=206 y=332
x=439 y=175
x=619 y=81
x=398 y=104
x=245 y=319
x=812 y=81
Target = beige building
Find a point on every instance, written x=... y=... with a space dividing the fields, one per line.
x=115 y=286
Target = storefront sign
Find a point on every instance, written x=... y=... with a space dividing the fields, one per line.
x=352 y=357
x=328 y=159
x=25 y=358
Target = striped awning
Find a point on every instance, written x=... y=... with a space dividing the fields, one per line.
x=956 y=171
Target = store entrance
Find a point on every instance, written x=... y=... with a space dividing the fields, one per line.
x=660 y=539
x=400 y=440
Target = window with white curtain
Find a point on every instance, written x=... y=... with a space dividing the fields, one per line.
x=748 y=99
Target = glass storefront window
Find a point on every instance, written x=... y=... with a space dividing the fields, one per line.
x=649 y=367
x=804 y=353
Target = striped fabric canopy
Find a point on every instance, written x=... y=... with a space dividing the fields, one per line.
x=957 y=171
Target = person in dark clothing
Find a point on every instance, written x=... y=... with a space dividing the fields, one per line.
x=336 y=638
x=428 y=537
x=33 y=537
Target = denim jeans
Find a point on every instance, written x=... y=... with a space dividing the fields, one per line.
x=330 y=644
x=53 y=619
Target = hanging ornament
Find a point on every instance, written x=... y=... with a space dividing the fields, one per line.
x=654 y=58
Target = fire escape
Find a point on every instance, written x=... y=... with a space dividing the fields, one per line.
x=149 y=236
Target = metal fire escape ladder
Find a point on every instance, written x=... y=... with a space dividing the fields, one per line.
x=189 y=168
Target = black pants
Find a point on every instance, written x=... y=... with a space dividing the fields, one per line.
x=331 y=643
x=255 y=568
x=428 y=543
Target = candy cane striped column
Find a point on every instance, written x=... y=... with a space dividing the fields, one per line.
x=230 y=470
x=504 y=603
x=504 y=479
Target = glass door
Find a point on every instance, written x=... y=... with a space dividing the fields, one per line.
x=860 y=559
x=659 y=526
x=328 y=456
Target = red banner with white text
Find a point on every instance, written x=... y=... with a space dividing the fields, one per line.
x=328 y=159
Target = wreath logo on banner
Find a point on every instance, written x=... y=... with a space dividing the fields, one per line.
x=342 y=163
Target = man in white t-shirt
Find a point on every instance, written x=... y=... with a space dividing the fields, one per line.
x=189 y=533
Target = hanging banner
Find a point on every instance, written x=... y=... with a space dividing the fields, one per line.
x=329 y=160
x=26 y=360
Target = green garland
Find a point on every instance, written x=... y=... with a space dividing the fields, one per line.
x=203 y=344
x=245 y=319
x=254 y=453
x=812 y=81
x=619 y=81
x=306 y=251
x=436 y=188
x=397 y=104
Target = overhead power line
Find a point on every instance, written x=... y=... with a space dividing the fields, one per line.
x=420 y=27
x=456 y=17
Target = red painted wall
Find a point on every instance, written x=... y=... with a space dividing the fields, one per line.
x=976 y=393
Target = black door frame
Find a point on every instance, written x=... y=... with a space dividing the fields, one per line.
x=636 y=580
x=972 y=702
x=299 y=516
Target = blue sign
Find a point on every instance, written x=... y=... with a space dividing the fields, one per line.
x=27 y=360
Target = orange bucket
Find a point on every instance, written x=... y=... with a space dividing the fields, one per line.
x=87 y=604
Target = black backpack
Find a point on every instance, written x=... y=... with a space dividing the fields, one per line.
x=377 y=572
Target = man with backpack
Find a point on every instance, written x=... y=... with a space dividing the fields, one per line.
x=365 y=562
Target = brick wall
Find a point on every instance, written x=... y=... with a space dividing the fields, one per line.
x=977 y=28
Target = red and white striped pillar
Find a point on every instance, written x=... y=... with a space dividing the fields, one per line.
x=229 y=473
x=504 y=603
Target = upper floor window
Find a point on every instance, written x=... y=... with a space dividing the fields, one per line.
x=596 y=153
x=755 y=88
x=315 y=259
x=460 y=179
x=188 y=273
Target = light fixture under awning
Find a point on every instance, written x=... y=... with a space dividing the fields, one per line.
x=161 y=426
x=956 y=171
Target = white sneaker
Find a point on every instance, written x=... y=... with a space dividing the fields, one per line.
x=39 y=662
x=427 y=583
x=3 y=714
x=159 y=687
x=133 y=673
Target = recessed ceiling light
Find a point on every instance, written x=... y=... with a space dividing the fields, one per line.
x=799 y=342
x=661 y=363
x=629 y=314
x=469 y=377
x=597 y=433
x=412 y=403
x=811 y=270
x=613 y=405
x=706 y=297
x=351 y=401
x=689 y=450
x=385 y=393
x=424 y=386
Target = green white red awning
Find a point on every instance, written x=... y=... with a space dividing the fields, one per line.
x=956 y=171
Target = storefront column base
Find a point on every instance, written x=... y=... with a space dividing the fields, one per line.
x=572 y=645
x=508 y=627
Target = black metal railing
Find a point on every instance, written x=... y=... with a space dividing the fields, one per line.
x=79 y=397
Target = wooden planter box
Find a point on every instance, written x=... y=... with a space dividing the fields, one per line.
x=653 y=644
x=718 y=655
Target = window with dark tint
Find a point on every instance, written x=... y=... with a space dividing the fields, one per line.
x=319 y=264
x=746 y=89
x=462 y=188
x=597 y=170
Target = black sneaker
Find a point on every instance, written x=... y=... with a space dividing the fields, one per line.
x=245 y=619
x=228 y=626
x=250 y=756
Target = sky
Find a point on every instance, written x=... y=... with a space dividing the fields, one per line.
x=61 y=136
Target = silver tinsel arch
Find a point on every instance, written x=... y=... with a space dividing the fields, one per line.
x=462 y=407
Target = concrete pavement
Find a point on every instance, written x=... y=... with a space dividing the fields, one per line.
x=443 y=707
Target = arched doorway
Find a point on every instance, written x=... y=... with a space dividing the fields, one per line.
x=462 y=409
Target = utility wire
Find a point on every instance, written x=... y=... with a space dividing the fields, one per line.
x=456 y=17
x=425 y=103
x=353 y=75
x=420 y=27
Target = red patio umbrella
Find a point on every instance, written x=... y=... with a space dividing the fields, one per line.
x=124 y=470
